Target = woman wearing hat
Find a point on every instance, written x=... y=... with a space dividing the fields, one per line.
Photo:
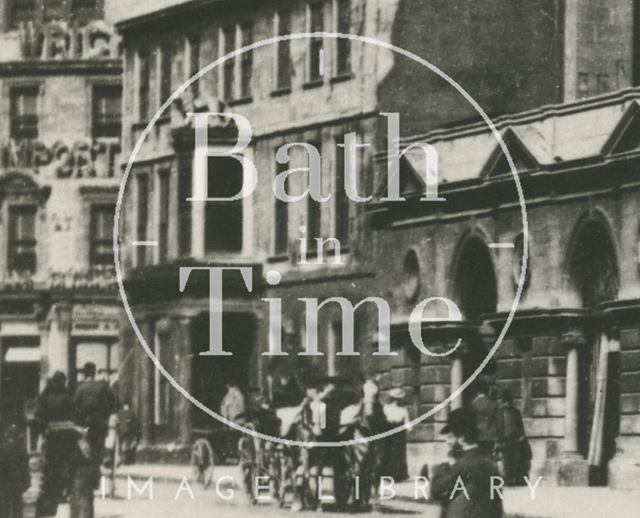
x=394 y=459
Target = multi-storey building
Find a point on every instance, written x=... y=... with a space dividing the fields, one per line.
x=511 y=58
x=60 y=84
x=570 y=357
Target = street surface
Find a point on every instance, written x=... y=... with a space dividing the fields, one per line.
x=206 y=503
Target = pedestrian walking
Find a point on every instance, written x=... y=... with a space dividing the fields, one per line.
x=514 y=448
x=463 y=486
x=128 y=429
x=93 y=403
x=394 y=457
x=485 y=410
x=53 y=418
x=14 y=464
x=232 y=408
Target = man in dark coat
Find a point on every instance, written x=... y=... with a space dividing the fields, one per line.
x=53 y=415
x=92 y=404
x=14 y=464
x=513 y=445
x=464 y=487
x=485 y=411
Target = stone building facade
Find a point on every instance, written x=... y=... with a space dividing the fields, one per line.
x=60 y=84
x=570 y=355
x=316 y=91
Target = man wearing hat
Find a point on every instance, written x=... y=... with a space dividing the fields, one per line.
x=394 y=459
x=464 y=488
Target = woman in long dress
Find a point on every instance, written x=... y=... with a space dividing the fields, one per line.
x=394 y=460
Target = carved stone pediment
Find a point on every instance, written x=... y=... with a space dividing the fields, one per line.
x=17 y=184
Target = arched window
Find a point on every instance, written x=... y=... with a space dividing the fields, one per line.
x=475 y=289
x=593 y=268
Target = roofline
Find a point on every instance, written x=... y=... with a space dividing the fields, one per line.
x=128 y=23
x=534 y=115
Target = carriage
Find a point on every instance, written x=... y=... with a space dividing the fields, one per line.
x=309 y=477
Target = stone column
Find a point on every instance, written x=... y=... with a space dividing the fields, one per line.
x=572 y=340
x=58 y=338
x=183 y=327
x=197 y=228
x=146 y=386
x=457 y=379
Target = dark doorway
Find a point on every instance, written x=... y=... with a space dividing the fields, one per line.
x=210 y=375
x=594 y=279
x=475 y=280
x=20 y=380
x=475 y=292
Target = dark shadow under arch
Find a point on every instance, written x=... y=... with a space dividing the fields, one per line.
x=474 y=287
x=593 y=265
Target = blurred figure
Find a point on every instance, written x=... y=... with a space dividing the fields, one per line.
x=514 y=448
x=232 y=408
x=286 y=392
x=394 y=458
x=93 y=403
x=233 y=405
x=469 y=466
x=485 y=411
x=128 y=429
x=14 y=465
x=53 y=417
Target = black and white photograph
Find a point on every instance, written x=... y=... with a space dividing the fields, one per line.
x=319 y=257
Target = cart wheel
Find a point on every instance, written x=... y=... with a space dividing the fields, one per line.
x=202 y=462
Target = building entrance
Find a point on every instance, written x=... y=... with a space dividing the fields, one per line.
x=212 y=374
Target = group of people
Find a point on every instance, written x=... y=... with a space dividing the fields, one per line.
x=487 y=442
x=486 y=437
x=501 y=433
x=73 y=426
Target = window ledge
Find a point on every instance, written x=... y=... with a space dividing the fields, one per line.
x=285 y=90
x=241 y=100
x=347 y=76
x=313 y=84
x=278 y=258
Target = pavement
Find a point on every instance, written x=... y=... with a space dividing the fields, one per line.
x=547 y=502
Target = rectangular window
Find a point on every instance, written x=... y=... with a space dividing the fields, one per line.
x=84 y=11
x=24 y=113
x=281 y=227
x=22 y=11
x=343 y=46
x=229 y=35
x=101 y=245
x=314 y=215
x=22 y=239
x=144 y=81
x=164 y=180
x=316 y=45
x=246 y=61
x=194 y=62
x=283 y=62
x=341 y=200
x=184 y=209
x=166 y=61
x=54 y=10
x=224 y=219
x=107 y=111
x=142 y=217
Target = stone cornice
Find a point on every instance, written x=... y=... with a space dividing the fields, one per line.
x=35 y=67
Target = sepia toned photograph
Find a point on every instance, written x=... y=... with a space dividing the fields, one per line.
x=319 y=257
